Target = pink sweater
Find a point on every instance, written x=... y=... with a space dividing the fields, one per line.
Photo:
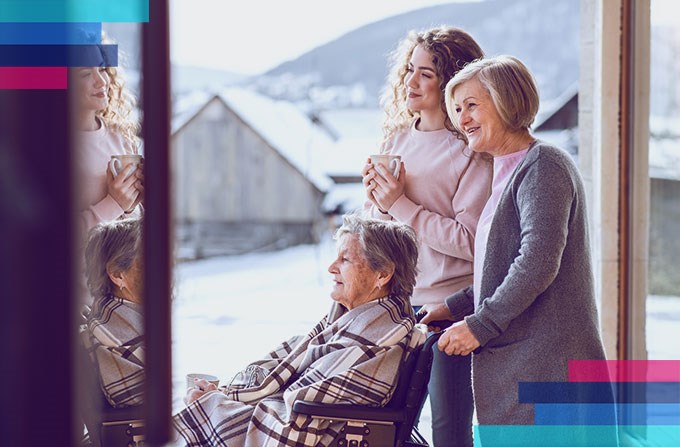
x=94 y=152
x=447 y=186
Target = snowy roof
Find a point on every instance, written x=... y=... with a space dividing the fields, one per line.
x=344 y=197
x=566 y=139
x=548 y=108
x=287 y=129
x=348 y=156
x=664 y=158
x=281 y=124
x=186 y=107
x=354 y=122
x=664 y=147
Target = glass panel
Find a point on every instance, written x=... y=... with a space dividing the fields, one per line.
x=269 y=109
x=109 y=170
x=663 y=302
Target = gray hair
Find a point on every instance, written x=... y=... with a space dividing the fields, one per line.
x=386 y=244
x=114 y=245
x=510 y=84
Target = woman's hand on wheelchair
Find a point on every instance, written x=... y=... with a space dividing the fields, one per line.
x=458 y=340
x=433 y=315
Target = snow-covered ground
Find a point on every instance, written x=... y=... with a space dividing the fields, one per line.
x=229 y=311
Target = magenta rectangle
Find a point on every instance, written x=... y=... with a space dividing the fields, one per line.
x=624 y=370
x=33 y=78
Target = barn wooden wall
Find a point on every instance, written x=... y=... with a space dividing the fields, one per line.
x=230 y=184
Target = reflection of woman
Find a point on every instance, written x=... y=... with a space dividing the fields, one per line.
x=115 y=323
x=351 y=356
x=102 y=115
x=440 y=192
x=532 y=307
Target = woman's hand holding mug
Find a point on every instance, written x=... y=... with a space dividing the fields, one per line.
x=125 y=180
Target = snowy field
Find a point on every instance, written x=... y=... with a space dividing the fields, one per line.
x=229 y=311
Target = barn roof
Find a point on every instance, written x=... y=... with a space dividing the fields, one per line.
x=549 y=108
x=284 y=127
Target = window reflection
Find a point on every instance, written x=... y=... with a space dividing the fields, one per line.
x=109 y=192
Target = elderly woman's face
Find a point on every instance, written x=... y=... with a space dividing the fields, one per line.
x=478 y=118
x=354 y=281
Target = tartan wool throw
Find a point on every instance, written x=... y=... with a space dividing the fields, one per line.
x=114 y=338
x=350 y=357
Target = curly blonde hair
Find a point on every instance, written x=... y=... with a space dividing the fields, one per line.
x=451 y=49
x=118 y=115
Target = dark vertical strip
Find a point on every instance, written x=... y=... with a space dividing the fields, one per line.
x=626 y=130
x=36 y=278
x=157 y=234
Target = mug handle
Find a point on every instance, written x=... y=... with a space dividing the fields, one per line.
x=115 y=167
x=395 y=166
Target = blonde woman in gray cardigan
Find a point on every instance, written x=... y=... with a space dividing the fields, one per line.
x=531 y=307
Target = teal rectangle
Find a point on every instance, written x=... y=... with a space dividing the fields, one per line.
x=575 y=435
x=74 y=11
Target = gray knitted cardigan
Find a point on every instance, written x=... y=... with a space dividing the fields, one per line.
x=537 y=308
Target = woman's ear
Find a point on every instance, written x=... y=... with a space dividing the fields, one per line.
x=116 y=277
x=384 y=276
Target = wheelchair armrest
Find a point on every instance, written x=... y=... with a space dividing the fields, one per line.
x=350 y=412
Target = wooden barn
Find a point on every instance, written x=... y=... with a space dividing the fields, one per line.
x=246 y=175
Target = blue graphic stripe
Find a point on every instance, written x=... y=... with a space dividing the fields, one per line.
x=599 y=392
x=50 y=33
x=74 y=11
x=58 y=55
x=607 y=414
x=573 y=435
x=575 y=414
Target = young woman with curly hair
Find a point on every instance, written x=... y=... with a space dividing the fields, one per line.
x=102 y=111
x=440 y=191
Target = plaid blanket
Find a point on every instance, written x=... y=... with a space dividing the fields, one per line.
x=113 y=338
x=349 y=357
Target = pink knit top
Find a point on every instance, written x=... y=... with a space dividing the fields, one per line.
x=503 y=167
x=94 y=152
x=447 y=186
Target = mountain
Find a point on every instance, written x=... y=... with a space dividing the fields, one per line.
x=186 y=79
x=543 y=34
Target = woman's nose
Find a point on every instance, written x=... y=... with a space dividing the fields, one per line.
x=411 y=80
x=99 y=79
x=331 y=268
x=463 y=117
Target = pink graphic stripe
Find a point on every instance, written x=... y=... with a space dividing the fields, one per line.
x=33 y=78
x=624 y=370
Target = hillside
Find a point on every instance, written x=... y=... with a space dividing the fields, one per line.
x=544 y=34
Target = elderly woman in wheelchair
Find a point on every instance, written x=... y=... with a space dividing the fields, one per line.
x=352 y=356
x=113 y=332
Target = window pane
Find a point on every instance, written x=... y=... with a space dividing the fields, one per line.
x=663 y=303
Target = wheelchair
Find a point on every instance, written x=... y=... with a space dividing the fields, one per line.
x=106 y=426
x=393 y=425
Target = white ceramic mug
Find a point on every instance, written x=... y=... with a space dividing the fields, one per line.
x=391 y=162
x=209 y=377
x=120 y=162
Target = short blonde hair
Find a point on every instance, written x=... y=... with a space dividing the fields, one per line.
x=510 y=84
